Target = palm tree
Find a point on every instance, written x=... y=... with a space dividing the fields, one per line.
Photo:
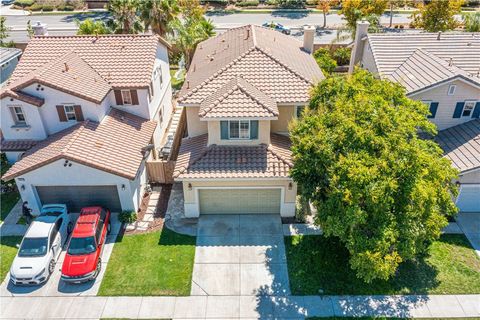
x=159 y=14
x=125 y=16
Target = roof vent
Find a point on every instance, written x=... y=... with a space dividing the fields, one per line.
x=450 y=62
x=188 y=84
x=248 y=34
x=66 y=66
x=439 y=35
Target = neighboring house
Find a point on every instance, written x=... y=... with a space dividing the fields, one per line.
x=242 y=89
x=443 y=71
x=81 y=114
x=8 y=61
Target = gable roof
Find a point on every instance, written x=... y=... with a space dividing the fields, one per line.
x=97 y=145
x=272 y=62
x=196 y=160
x=238 y=99
x=69 y=73
x=461 y=144
x=22 y=96
x=424 y=69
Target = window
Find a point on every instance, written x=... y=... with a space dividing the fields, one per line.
x=126 y=97
x=239 y=129
x=299 y=111
x=451 y=89
x=70 y=113
x=468 y=108
x=160 y=116
x=18 y=116
x=158 y=73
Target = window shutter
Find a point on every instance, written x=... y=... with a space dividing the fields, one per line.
x=224 y=130
x=78 y=113
x=152 y=92
x=134 y=95
x=61 y=113
x=433 y=109
x=14 y=117
x=118 y=97
x=476 y=111
x=254 y=129
x=458 y=109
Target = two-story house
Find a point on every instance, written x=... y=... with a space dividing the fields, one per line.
x=242 y=89
x=443 y=71
x=79 y=116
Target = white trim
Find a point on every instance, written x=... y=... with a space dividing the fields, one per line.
x=471 y=111
x=451 y=92
x=16 y=121
x=123 y=100
x=73 y=111
x=239 y=125
x=469 y=171
x=230 y=119
x=232 y=179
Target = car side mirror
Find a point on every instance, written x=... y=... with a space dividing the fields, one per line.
x=17 y=245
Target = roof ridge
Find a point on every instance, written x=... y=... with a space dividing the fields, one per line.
x=222 y=97
x=270 y=148
x=200 y=156
x=244 y=90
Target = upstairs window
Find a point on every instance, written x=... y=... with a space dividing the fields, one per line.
x=239 y=129
x=432 y=106
x=299 y=111
x=18 y=116
x=126 y=97
x=70 y=113
x=451 y=89
x=468 y=108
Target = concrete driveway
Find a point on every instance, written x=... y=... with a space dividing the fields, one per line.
x=55 y=287
x=240 y=255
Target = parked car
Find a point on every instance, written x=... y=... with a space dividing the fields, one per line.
x=39 y=251
x=83 y=258
x=58 y=210
x=7 y=2
x=277 y=26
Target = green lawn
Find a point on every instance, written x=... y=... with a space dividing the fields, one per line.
x=8 y=250
x=318 y=263
x=8 y=201
x=158 y=263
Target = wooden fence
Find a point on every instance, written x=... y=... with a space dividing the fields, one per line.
x=179 y=135
x=160 y=171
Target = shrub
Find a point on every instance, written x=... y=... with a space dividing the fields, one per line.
x=327 y=64
x=47 y=7
x=248 y=3
x=24 y=3
x=35 y=7
x=342 y=55
x=302 y=209
x=65 y=7
x=321 y=52
x=127 y=216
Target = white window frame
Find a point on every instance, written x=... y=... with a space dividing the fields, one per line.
x=296 y=110
x=239 y=131
x=129 y=95
x=473 y=102
x=451 y=89
x=17 y=121
x=72 y=112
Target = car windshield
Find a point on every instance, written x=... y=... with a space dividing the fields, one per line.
x=79 y=246
x=33 y=247
x=55 y=212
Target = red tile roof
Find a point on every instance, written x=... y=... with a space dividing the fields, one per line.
x=199 y=161
x=114 y=145
x=16 y=145
x=36 y=101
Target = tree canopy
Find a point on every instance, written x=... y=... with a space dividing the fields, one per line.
x=354 y=10
x=377 y=186
x=438 y=15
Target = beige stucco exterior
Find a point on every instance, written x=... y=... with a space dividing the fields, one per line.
x=215 y=138
x=285 y=114
x=194 y=125
x=287 y=207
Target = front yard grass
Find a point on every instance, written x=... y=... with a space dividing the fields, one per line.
x=320 y=265
x=8 y=250
x=157 y=263
x=8 y=200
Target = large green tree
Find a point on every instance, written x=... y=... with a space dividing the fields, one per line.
x=354 y=10
x=377 y=186
x=438 y=15
x=159 y=15
x=90 y=26
x=126 y=17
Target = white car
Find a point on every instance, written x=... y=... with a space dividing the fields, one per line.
x=58 y=210
x=40 y=249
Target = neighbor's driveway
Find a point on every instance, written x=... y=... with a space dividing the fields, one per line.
x=240 y=255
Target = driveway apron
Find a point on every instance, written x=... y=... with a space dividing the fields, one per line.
x=240 y=255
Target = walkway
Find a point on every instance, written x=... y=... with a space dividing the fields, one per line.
x=240 y=255
x=9 y=227
x=239 y=307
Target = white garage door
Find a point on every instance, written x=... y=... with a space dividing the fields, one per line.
x=77 y=197
x=239 y=201
x=469 y=198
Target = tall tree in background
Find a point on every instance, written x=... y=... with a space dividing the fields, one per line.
x=325 y=6
x=437 y=15
x=4 y=33
x=378 y=187
x=159 y=15
x=125 y=14
x=392 y=5
x=354 y=10
x=472 y=21
x=90 y=26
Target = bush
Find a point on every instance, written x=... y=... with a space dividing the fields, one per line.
x=248 y=3
x=24 y=3
x=302 y=208
x=342 y=55
x=128 y=216
x=65 y=7
x=321 y=52
x=35 y=7
x=47 y=7
x=326 y=63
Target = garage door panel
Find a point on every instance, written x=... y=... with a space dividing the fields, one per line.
x=239 y=201
x=469 y=198
x=77 y=197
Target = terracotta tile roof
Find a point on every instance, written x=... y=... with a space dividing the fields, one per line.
x=68 y=73
x=423 y=69
x=238 y=99
x=22 y=96
x=391 y=50
x=197 y=161
x=125 y=61
x=272 y=62
x=98 y=145
x=461 y=145
x=16 y=145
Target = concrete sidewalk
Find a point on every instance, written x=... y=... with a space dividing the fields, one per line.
x=239 y=307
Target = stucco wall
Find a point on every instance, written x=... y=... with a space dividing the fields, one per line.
x=470 y=177
x=285 y=114
x=55 y=174
x=214 y=136
x=194 y=125
x=287 y=207
x=444 y=117
x=35 y=129
x=367 y=61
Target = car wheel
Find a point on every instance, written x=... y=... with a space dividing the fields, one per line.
x=51 y=267
x=70 y=227
x=98 y=268
x=109 y=227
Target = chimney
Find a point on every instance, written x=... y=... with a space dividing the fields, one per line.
x=40 y=29
x=357 y=50
x=308 y=38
